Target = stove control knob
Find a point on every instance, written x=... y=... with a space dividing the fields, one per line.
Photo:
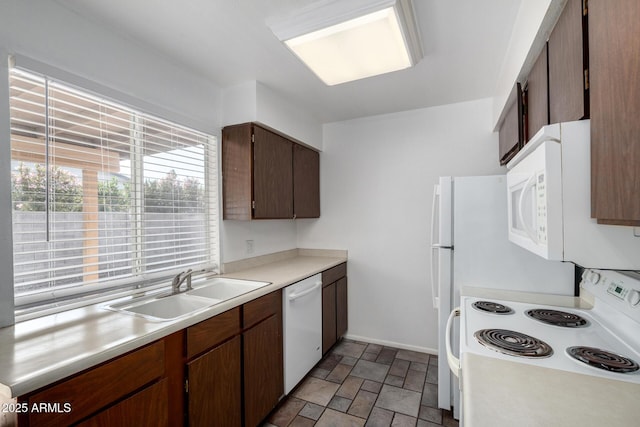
x=593 y=277
x=634 y=298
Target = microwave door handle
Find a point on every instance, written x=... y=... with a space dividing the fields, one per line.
x=434 y=246
x=525 y=190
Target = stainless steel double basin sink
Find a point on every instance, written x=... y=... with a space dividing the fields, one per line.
x=205 y=294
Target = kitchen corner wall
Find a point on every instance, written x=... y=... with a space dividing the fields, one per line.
x=377 y=176
x=249 y=102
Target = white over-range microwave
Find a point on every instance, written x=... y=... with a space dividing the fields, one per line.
x=549 y=203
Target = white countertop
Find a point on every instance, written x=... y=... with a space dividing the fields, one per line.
x=40 y=351
x=500 y=393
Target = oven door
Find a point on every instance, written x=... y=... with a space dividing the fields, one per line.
x=534 y=200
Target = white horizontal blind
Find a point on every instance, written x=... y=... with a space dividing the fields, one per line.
x=103 y=195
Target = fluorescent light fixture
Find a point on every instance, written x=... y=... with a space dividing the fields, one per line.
x=346 y=40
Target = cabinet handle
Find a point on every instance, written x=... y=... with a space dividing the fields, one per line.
x=528 y=186
x=295 y=296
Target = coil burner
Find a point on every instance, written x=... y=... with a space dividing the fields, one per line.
x=513 y=343
x=492 y=307
x=603 y=359
x=557 y=318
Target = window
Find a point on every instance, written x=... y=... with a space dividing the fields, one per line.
x=103 y=196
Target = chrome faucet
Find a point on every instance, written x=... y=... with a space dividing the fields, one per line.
x=179 y=279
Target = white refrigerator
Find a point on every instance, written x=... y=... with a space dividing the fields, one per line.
x=470 y=247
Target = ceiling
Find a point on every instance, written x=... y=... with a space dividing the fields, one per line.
x=229 y=42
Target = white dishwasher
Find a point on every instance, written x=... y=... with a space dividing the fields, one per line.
x=302 y=319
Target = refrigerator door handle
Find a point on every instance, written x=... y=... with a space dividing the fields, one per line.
x=436 y=299
x=453 y=361
x=434 y=245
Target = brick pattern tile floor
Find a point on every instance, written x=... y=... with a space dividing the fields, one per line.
x=366 y=385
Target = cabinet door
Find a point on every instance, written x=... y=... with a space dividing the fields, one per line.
x=614 y=70
x=99 y=387
x=537 y=96
x=341 y=307
x=510 y=135
x=148 y=407
x=272 y=175
x=567 y=100
x=306 y=182
x=328 y=317
x=263 y=371
x=236 y=172
x=215 y=393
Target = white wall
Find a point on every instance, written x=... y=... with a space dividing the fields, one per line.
x=53 y=35
x=254 y=102
x=377 y=177
x=279 y=113
x=268 y=236
x=239 y=104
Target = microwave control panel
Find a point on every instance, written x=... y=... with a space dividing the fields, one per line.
x=541 y=203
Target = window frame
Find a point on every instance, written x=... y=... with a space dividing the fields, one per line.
x=65 y=298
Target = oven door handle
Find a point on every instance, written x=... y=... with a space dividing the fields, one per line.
x=453 y=361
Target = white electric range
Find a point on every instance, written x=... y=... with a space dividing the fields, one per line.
x=603 y=341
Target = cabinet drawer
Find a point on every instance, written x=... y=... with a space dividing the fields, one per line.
x=211 y=332
x=94 y=389
x=149 y=407
x=333 y=274
x=261 y=308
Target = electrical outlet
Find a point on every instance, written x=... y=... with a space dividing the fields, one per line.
x=249 y=246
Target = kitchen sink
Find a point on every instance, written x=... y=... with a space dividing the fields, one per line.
x=205 y=293
x=164 y=308
x=223 y=289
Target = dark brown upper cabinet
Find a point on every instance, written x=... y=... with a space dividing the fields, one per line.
x=272 y=175
x=568 y=65
x=267 y=175
x=614 y=74
x=537 y=107
x=510 y=135
x=306 y=182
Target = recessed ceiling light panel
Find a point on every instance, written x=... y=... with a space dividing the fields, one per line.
x=346 y=40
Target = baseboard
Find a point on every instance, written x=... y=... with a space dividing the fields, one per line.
x=392 y=344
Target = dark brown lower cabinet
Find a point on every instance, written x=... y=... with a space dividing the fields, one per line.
x=148 y=407
x=328 y=317
x=341 y=307
x=110 y=393
x=263 y=370
x=334 y=305
x=224 y=371
x=215 y=393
